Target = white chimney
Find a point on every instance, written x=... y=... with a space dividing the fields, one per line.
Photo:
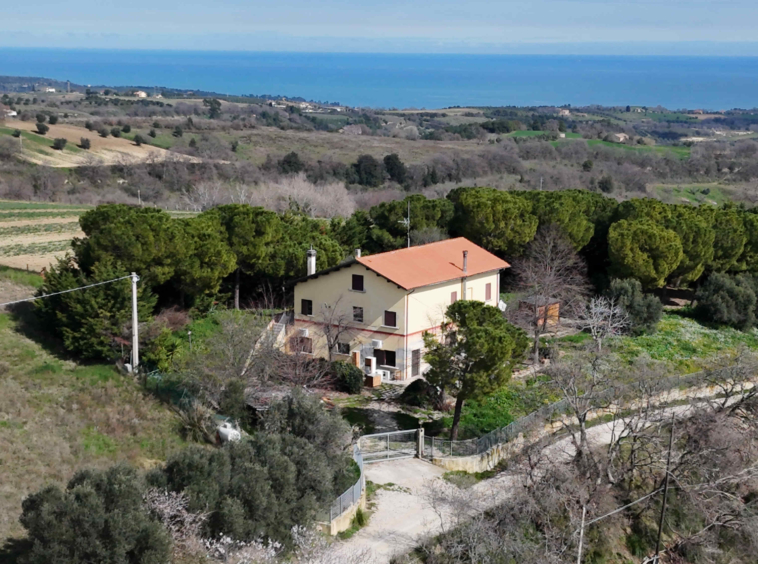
x=357 y=253
x=465 y=262
x=310 y=261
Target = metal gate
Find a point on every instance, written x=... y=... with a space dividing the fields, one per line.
x=388 y=446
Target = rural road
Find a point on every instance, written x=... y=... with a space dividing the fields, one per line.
x=404 y=514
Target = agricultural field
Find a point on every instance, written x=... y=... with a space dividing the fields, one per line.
x=33 y=235
x=710 y=193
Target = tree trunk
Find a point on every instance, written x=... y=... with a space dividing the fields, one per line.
x=456 y=417
x=237 y=289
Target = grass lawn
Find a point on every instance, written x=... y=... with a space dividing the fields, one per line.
x=680 y=152
x=57 y=417
x=680 y=341
x=710 y=193
x=22 y=277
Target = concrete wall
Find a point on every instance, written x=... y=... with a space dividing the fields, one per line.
x=343 y=522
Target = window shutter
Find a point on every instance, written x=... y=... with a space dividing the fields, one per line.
x=488 y=292
x=453 y=297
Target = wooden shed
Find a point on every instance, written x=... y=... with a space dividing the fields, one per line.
x=548 y=309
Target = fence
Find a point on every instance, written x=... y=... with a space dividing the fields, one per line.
x=436 y=448
x=353 y=493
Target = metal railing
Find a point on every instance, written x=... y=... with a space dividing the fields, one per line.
x=353 y=493
x=435 y=447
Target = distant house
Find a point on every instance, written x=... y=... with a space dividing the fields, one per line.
x=158 y=96
x=140 y=94
x=564 y=112
x=6 y=112
x=378 y=307
x=618 y=138
x=698 y=112
x=49 y=90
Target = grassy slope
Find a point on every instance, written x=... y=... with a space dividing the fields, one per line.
x=57 y=417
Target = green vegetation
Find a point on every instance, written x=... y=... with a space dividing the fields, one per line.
x=22 y=277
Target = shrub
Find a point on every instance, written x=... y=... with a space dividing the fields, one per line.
x=644 y=310
x=42 y=129
x=421 y=393
x=41 y=118
x=99 y=517
x=127 y=128
x=85 y=144
x=116 y=131
x=88 y=125
x=152 y=133
x=349 y=377
x=727 y=300
x=178 y=131
x=59 y=144
x=53 y=119
x=103 y=131
x=156 y=125
x=139 y=140
x=16 y=133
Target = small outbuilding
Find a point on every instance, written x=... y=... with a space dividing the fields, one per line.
x=548 y=310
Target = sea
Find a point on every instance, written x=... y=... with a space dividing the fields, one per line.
x=412 y=81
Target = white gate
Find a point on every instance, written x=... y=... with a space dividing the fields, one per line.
x=388 y=446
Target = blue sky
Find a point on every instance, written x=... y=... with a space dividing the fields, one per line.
x=681 y=27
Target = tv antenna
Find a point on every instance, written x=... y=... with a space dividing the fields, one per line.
x=406 y=221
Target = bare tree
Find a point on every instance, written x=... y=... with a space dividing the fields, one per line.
x=604 y=318
x=334 y=324
x=551 y=271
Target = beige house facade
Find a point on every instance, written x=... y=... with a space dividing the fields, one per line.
x=373 y=311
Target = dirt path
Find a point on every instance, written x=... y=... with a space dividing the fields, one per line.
x=42 y=221
x=29 y=238
x=32 y=261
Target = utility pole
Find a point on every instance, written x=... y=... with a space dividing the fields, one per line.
x=407 y=223
x=656 y=558
x=135 y=324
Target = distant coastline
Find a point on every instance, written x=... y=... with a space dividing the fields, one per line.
x=411 y=81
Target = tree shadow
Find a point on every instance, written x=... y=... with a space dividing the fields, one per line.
x=32 y=327
x=13 y=549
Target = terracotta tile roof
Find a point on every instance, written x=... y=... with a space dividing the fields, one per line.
x=433 y=263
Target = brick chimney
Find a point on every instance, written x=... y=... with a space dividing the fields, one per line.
x=465 y=262
x=310 y=261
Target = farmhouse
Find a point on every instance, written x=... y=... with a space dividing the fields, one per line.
x=373 y=311
x=140 y=94
x=6 y=112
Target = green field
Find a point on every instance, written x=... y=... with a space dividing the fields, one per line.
x=57 y=417
x=710 y=193
x=680 y=152
x=39 y=142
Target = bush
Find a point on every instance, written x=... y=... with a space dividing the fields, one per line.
x=85 y=143
x=53 y=119
x=349 y=377
x=42 y=129
x=421 y=393
x=103 y=131
x=99 y=517
x=152 y=133
x=16 y=133
x=262 y=487
x=116 y=131
x=127 y=128
x=178 y=131
x=41 y=118
x=89 y=125
x=139 y=140
x=59 y=144
x=727 y=300
x=644 y=310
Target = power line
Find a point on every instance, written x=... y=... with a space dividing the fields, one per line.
x=65 y=291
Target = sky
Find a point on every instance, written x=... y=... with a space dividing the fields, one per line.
x=655 y=27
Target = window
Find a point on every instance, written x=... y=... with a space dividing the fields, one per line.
x=453 y=297
x=416 y=362
x=358 y=314
x=357 y=283
x=302 y=345
x=384 y=358
x=488 y=292
x=390 y=319
x=343 y=348
x=306 y=307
